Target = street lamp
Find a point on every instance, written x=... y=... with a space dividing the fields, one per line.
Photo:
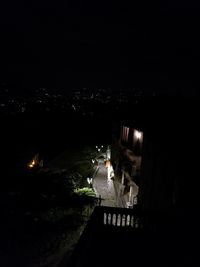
x=138 y=135
x=99 y=148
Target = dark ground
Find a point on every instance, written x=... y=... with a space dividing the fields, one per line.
x=35 y=229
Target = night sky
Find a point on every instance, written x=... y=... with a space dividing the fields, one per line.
x=80 y=43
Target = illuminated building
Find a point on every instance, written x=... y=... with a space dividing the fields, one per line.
x=127 y=162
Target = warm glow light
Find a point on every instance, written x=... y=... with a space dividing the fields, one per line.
x=138 y=134
x=32 y=164
x=107 y=163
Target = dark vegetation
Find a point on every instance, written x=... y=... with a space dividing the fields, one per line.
x=40 y=214
x=43 y=212
x=43 y=216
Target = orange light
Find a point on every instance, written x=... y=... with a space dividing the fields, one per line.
x=32 y=164
x=107 y=163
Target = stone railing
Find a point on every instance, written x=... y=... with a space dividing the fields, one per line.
x=118 y=217
x=110 y=219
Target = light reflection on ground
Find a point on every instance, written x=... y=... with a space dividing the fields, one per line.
x=104 y=187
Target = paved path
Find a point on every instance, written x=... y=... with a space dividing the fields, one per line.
x=104 y=187
x=120 y=200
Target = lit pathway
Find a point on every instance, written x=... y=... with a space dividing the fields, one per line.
x=104 y=187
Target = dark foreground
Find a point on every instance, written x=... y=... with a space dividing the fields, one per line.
x=155 y=240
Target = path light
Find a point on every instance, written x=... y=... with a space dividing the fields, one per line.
x=93 y=161
x=108 y=153
x=89 y=180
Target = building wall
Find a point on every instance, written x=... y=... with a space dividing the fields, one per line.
x=170 y=173
x=126 y=160
x=170 y=178
x=158 y=172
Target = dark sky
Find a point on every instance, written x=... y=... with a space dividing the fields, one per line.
x=99 y=42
